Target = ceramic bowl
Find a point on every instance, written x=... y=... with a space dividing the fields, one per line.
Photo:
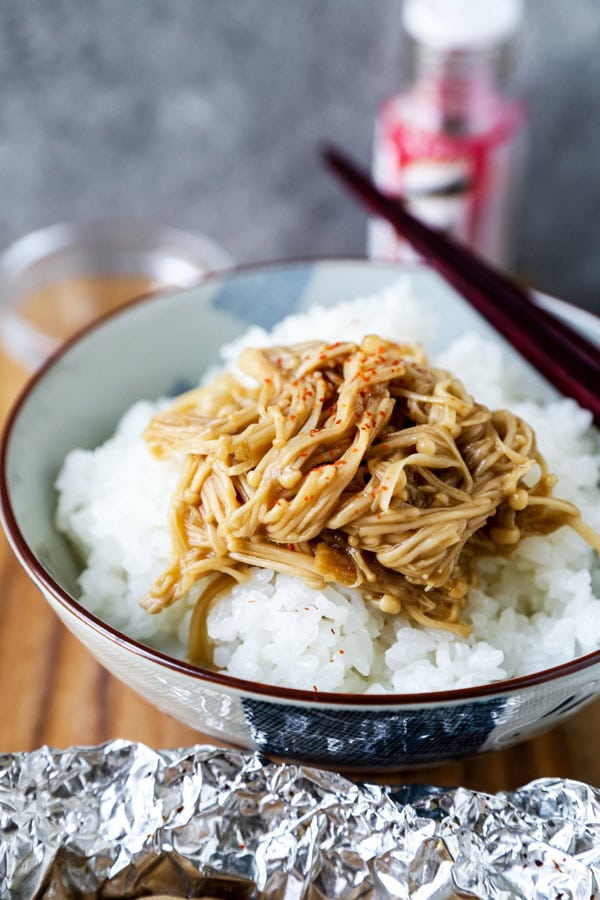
x=144 y=350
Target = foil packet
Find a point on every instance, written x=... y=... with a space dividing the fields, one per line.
x=124 y=821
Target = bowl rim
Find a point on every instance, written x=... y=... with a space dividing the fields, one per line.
x=50 y=240
x=47 y=584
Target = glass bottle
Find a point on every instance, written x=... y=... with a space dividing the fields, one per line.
x=449 y=146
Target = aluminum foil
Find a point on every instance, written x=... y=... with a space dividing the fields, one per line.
x=122 y=820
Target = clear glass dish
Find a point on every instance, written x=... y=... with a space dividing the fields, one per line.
x=56 y=280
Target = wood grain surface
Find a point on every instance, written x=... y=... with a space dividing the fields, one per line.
x=53 y=692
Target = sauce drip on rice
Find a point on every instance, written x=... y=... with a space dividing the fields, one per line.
x=355 y=464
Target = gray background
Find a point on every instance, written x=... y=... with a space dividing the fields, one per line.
x=206 y=114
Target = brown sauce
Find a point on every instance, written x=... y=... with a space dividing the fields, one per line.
x=60 y=309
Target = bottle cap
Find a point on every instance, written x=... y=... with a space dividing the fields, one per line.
x=461 y=24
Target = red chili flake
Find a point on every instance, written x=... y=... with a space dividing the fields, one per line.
x=338 y=421
x=315 y=688
x=314 y=431
x=307 y=608
x=291 y=547
x=384 y=487
x=279 y=360
x=267 y=380
x=342 y=652
x=242 y=846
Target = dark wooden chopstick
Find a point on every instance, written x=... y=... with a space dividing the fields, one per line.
x=562 y=355
x=516 y=299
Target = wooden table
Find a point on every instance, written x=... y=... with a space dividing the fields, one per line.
x=53 y=692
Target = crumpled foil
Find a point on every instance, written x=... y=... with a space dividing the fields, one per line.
x=122 y=820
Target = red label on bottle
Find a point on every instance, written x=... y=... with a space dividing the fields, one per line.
x=457 y=183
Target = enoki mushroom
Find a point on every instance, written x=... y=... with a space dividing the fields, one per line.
x=359 y=465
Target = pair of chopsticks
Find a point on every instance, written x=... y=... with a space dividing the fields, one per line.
x=563 y=356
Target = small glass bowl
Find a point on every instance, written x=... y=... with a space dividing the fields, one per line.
x=56 y=280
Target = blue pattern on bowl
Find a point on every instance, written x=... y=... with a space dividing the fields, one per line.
x=379 y=738
x=263 y=297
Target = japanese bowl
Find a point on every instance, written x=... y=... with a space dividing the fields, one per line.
x=142 y=350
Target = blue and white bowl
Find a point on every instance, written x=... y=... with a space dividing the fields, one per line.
x=145 y=350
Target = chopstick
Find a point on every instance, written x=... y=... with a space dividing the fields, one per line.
x=563 y=356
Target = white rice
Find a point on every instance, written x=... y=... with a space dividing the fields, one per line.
x=533 y=611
